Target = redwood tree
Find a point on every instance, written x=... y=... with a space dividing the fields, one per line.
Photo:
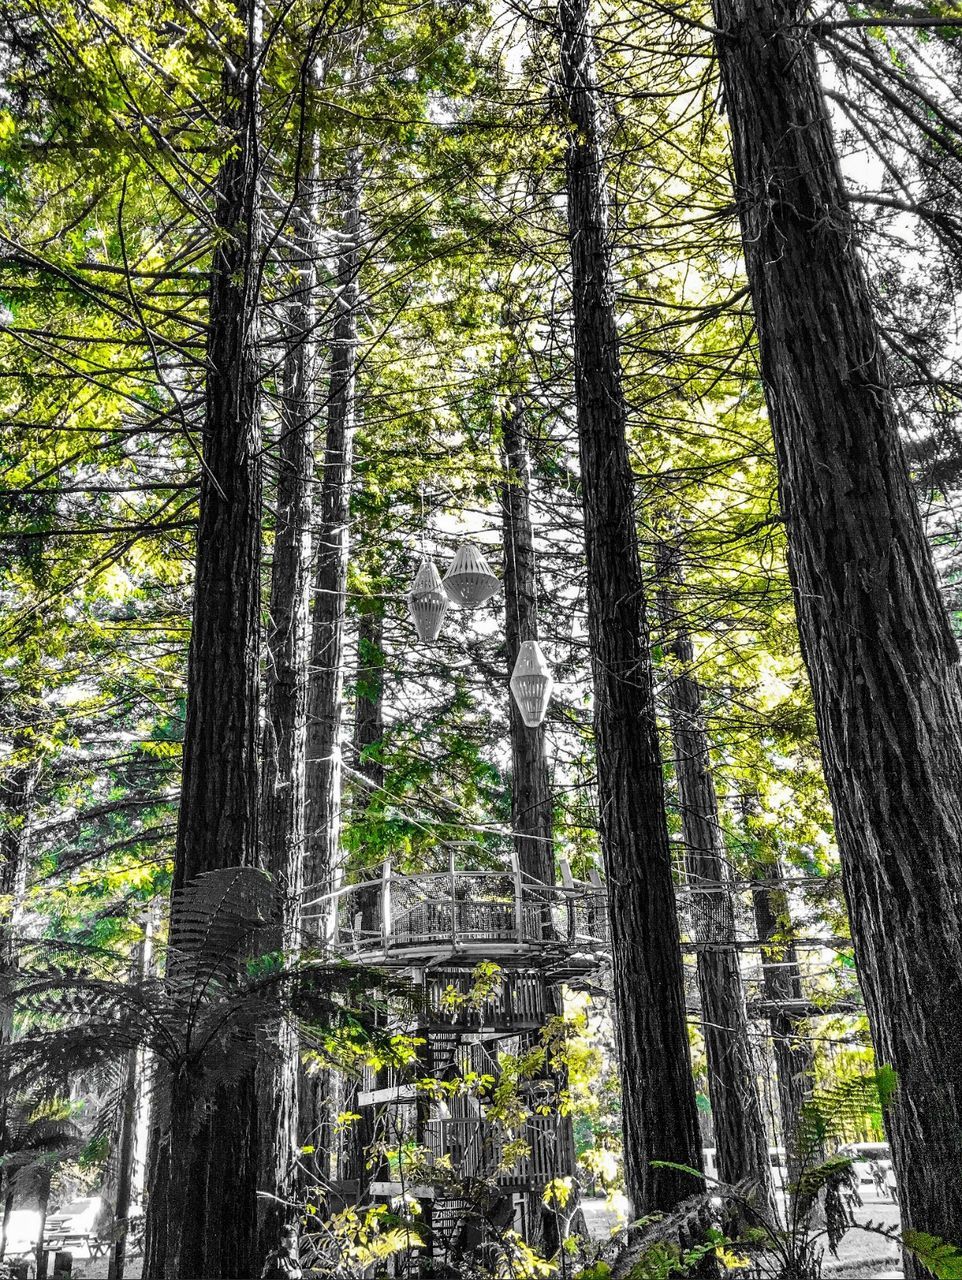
x=782 y=991
x=740 y=1137
x=531 y=807
x=285 y=729
x=17 y=786
x=326 y=678
x=202 y=1205
x=882 y=659
x=330 y=581
x=658 y=1106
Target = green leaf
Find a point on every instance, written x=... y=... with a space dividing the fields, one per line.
x=942 y=1259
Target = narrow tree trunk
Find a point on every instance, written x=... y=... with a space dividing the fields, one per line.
x=326 y=682
x=532 y=815
x=326 y=697
x=368 y=761
x=880 y=653
x=740 y=1138
x=127 y=1137
x=210 y=1166
x=43 y=1199
x=531 y=807
x=17 y=788
x=369 y=699
x=659 y=1114
x=9 y=1200
x=283 y=817
x=781 y=987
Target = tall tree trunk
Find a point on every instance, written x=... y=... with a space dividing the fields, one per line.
x=17 y=787
x=326 y=681
x=368 y=761
x=531 y=807
x=740 y=1138
x=781 y=987
x=659 y=1115
x=283 y=817
x=127 y=1137
x=326 y=696
x=532 y=811
x=202 y=1208
x=45 y=1177
x=369 y=699
x=882 y=660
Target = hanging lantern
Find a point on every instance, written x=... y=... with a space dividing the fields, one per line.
x=531 y=683
x=469 y=581
x=427 y=602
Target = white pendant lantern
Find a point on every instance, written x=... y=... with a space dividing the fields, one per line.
x=531 y=683
x=469 y=581
x=427 y=601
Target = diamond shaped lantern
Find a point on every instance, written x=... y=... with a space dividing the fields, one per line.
x=531 y=683
x=427 y=601
x=469 y=581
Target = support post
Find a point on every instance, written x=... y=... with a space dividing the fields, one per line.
x=386 y=905
x=518 y=896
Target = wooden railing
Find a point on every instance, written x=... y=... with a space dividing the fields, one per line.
x=517 y=1001
x=476 y=1150
x=470 y=913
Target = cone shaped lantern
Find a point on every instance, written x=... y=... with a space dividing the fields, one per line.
x=531 y=683
x=427 y=601
x=469 y=581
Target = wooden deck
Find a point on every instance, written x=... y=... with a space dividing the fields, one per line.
x=466 y=917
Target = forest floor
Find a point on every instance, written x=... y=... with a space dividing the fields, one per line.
x=862 y=1256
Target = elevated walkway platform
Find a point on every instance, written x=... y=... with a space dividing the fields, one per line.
x=462 y=918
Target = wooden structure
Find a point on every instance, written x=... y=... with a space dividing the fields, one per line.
x=473 y=915
x=706 y=915
x=436 y=929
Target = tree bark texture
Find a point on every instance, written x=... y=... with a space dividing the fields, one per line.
x=781 y=985
x=330 y=584
x=659 y=1113
x=326 y=680
x=740 y=1138
x=17 y=788
x=202 y=1207
x=532 y=817
x=127 y=1134
x=283 y=816
x=880 y=653
x=369 y=699
x=368 y=761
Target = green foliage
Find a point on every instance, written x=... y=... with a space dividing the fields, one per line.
x=109 y=143
x=789 y=1248
x=835 y=1183
x=830 y=1115
x=203 y=1021
x=943 y=1260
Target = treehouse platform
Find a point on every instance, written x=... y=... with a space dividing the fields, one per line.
x=465 y=917
x=484 y=952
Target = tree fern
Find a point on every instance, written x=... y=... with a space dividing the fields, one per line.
x=205 y=1020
